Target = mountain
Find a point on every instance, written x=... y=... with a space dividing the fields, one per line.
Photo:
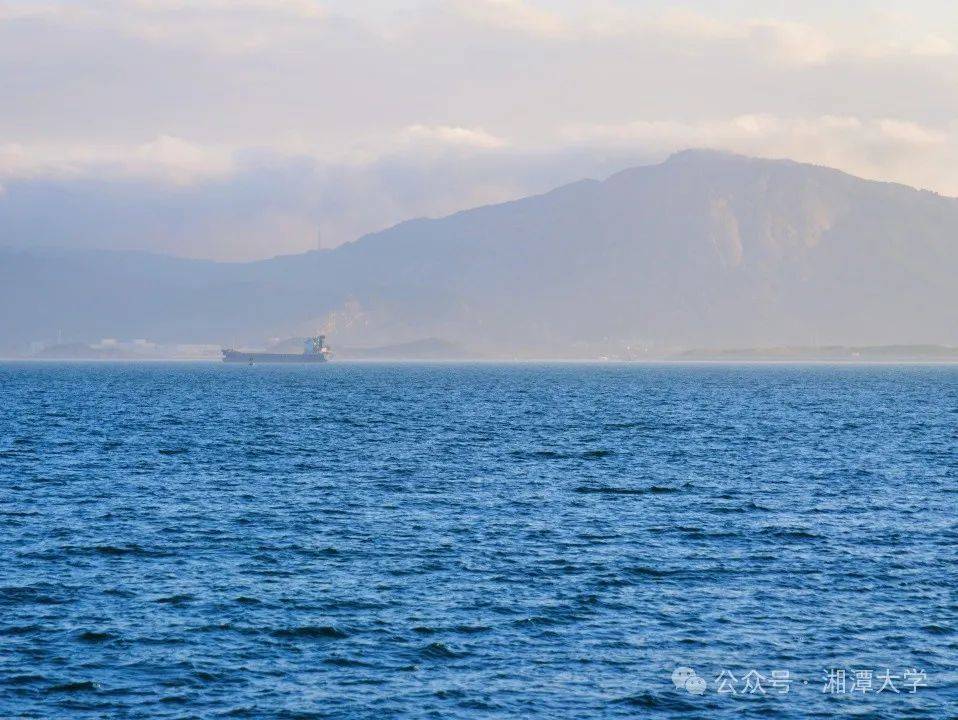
x=703 y=250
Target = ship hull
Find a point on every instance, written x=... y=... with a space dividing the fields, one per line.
x=235 y=356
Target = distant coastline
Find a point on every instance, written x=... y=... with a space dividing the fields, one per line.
x=432 y=350
x=844 y=353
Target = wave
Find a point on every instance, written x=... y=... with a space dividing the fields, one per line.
x=78 y=686
x=28 y=594
x=345 y=662
x=438 y=650
x=648 y=701
x=648 y=571
x=789 y=533
x=18 y=630
x=180 y=599
x=593 y=454
x=24 y=679
x=608 y=490
x=132 y=549
x=315 y=632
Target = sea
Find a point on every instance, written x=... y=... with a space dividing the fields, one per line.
x=478 y=540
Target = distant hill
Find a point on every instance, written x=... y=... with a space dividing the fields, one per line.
x=78 y=351
x=704 y=250
x=429 y=349
x=426 y=349
x=880 y=353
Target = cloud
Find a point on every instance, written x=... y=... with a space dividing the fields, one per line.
x=513 y=16
x=765 y=38
x=450 y=136
x=773 y=39
x=368 y=113
x=277 y=204
x=165 y=158
x=934 y=46
x=770 y=39
x=296 y=8
x=179 y=161
x=220 y=26
x=757 y=132
x=907 y=133
x=246 y=203
x=880 y=148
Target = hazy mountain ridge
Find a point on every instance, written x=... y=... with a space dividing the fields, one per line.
x=705 y=249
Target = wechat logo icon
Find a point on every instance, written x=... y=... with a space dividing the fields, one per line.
x=685 y=677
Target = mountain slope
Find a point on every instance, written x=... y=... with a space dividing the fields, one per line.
x=703 y=249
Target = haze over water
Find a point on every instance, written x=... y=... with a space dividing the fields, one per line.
x=474 y=540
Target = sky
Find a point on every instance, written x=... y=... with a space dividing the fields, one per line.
x=243 y=129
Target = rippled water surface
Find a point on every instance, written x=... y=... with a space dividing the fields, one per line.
x=475 y=541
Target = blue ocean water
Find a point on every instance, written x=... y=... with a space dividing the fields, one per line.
x=478 y=541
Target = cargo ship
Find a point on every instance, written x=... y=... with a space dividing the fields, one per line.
x=314 y=351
